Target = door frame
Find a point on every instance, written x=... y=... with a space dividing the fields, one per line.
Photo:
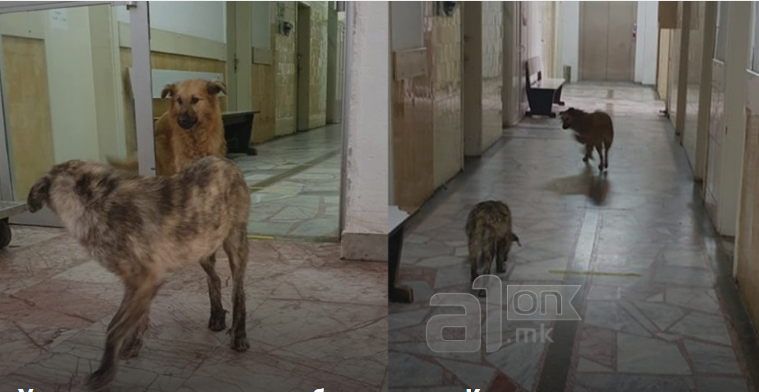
x=141 y=85
x=633 y=48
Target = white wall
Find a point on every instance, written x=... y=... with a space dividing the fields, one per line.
x=407 y=25
x=569 y=37
x=534 y=28
x=645 y=52
x=202 y=19
x=367 y=126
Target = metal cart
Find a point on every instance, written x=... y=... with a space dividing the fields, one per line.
x=7 y=210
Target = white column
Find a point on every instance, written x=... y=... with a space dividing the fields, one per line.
x=367 y=125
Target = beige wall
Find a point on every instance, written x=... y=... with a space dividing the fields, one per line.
x=747 y=241
x=285 y=76
x=662 y=77
x=427 y=133
x=676 y=103
x=318 y=67
x=264 y=78
x=446 y=90
x=492 y=73
x=286 y=70
x=693 y=84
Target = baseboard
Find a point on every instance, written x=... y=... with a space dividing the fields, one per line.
x=364 y=246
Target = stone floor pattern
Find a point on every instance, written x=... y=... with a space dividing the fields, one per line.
x=652 y=319
x=314 y=321
x=295 y=185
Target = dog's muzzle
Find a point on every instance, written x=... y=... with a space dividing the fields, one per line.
x=564 y=126
x=186 y=122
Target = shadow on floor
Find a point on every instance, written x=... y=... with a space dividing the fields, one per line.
x=589 y=183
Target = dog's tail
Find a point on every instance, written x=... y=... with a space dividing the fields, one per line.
x=129 y=164
x=515 y=239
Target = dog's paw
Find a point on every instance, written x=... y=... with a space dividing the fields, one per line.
x=240 y=343
x=99 y=379
x=217 y=323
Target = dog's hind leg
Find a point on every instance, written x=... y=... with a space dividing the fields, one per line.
x=607 y=146
x=217 y=321
x=236 y=247
x=600 y=157
x=485 y=263
x=134 y=307
x=502 y=255
x=133 y=344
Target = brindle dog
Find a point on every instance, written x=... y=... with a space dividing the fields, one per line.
x=591 y=129
x=488 y=229
x=142 y=227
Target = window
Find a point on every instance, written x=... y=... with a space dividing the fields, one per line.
x=720 y=47
x=407 y=23
x=260 y=26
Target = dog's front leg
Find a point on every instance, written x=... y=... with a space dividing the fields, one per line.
x=134 y=306
x=588 y=152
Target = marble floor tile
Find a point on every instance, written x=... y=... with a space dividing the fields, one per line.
x=295 y=185
x=637 y=354
x=712 y=359
x=314 y=321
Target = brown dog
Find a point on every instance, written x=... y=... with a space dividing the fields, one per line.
x=488 y=230
x=190 y=129
x=141 y=227
x=591 y=129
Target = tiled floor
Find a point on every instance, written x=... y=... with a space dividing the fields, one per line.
x=295 y=184
x=653 y=316
x=314 y=321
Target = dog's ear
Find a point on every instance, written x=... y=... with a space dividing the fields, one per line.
x=215 y=86
x=38 y=194
x=169 y=90
x=570 y=110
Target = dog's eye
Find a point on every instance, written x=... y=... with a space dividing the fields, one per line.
x=194 y=100
x=179 y=101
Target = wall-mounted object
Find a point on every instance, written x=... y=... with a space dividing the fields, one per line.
x=283 y=27
x=445 y=8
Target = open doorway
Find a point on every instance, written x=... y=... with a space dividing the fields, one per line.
x=303 y=47
x=295 y=178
